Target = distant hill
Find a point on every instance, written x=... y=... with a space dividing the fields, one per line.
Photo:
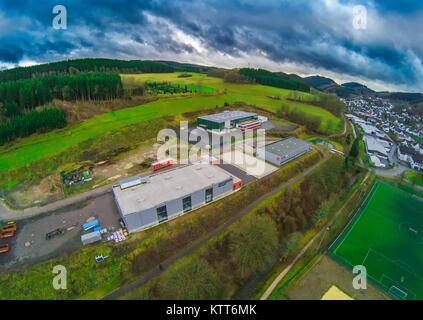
x=274 y=79
x=281 y=79
x=413 y=98
x=189 y=67
x=98 y=65
x=350 y=89
x=319 y=81
x=357 y=88
x=328 y=85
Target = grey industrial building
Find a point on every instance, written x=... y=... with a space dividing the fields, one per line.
x=225 y=120
x=145 y=203
x=282 y=151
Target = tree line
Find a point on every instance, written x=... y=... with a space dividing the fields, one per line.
x=166 y=88
x=268 y=78
x=85 y=65
x=31 y=122
x=311 y=122
x=18 y=97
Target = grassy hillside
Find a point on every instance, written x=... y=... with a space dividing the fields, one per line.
x=40 y=146
x=44 y=145
x=414 y=177
x=250 y=93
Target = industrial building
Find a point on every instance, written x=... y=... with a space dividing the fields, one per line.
x=376 y=147
x=282 y=151
x=145 y=203
x=225 y=120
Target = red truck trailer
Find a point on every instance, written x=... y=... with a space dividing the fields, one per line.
x=161 y=164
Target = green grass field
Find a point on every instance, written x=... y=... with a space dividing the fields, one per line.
x=414 y=177
x=216 y=93
x=387 y=238
x=250 y=93
x=44 y=145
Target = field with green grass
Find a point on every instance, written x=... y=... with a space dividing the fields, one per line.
x=414 y=177
x=250 y=93
x=387 y=238
x=44 y=145
x=214 y=93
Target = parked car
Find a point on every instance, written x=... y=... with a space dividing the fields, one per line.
x=4 y=248
x=57 y=232
x=6 y=234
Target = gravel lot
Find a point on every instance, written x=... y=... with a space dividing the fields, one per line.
x=30 y=246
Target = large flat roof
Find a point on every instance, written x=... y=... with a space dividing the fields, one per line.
x=227 y=116
x=373 y=144
x=168 y=186
x=368 y=128
x=285 y=146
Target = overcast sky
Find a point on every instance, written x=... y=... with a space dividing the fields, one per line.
x=383 y=49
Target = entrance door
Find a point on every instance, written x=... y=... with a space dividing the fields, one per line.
x=162 y=213
x=186 y=204
x=209 y=195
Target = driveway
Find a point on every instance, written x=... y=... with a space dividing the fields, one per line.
x=8 y=214
x=30 y=246
x=237 y=172
x=249 y=164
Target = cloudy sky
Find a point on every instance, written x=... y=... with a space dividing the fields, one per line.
x=381 y=46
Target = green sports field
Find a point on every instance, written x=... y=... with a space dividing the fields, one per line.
x=387 y=238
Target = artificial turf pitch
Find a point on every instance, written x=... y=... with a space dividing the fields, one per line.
x=387 y=238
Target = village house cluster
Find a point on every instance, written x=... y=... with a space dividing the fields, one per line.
x=388 y=131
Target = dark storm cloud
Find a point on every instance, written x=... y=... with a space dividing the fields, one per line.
x=315 y=34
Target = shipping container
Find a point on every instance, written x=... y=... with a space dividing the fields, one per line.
x=90 y=225
x=91 y=237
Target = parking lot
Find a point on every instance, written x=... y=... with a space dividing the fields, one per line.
x=30 y=244
x=247 y=163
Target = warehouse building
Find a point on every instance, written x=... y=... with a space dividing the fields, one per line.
x=167 y=195
x=225 y=120
x=376 y=147
x=282 y=151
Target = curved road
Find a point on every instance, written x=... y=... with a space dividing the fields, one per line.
x=9 y=214
x=391 y=173
x=343 y=132
x=196 y=245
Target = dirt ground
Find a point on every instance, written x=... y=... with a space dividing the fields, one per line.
x=128 y=165
x=325 y=273
x=51 y=188
x=30 y=245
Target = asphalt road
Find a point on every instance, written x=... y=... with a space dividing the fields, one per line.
x=8 y=214
x=196 y=245
x=246 y=178
x=391 y=173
